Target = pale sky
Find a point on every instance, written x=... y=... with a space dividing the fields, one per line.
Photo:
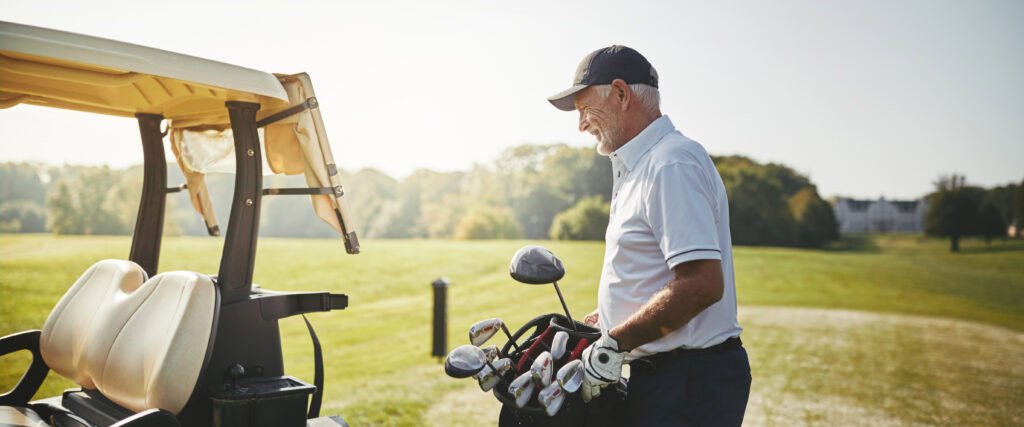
x=868 y=98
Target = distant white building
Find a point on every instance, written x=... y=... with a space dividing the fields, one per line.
x=880 y=216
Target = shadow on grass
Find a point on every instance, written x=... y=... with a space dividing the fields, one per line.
x=853 y=243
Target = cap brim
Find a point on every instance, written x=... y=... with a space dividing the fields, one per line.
x=566 y=99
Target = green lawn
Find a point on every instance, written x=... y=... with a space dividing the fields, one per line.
x=379 y=370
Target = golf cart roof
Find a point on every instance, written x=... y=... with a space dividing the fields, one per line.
x=196 y=97
x=60 y=69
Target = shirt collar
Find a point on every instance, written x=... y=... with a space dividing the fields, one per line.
x=631 y=152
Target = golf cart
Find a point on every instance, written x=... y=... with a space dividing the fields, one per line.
x=180 y=347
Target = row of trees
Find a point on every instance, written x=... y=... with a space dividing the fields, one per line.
x=957 y=210
x=774 y=205
x=530 y=191
x=71 y=199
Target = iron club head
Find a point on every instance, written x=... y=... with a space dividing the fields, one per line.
x=491 y=375
x=522 y=389
x=570 y=376
x=558 y=344
x=542 y=369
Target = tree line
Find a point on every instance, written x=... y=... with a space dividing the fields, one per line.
x=529 y=192
x=958 y=210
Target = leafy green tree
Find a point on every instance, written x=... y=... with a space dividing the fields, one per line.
x=22 y=198
x=370 y=192
x=61 y=205
x=758 y=210
x=578 y=173
x=488 y=222
x=953 y=211
x=1002 y=198
x=536 y=207
x=22 y=216
x=587 y=220
x=21 y=181
x=90 y=202
x=991 y=223
x=815 y=220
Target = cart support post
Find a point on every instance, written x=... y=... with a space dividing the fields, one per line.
x=149 y=224
x=237 y=259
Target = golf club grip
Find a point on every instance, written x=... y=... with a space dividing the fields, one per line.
x=535 y=349
x=578 y=350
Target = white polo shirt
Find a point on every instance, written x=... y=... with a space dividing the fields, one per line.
x=668 y=207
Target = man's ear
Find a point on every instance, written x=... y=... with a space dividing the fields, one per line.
x=622 y=94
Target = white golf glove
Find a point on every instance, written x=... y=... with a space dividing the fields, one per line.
x=602 y=365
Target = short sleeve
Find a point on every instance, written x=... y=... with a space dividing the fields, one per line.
x=682 y=214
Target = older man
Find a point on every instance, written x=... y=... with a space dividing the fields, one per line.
x=667 y=297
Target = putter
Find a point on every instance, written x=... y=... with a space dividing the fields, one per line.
x=541 y=369
x=483 y=330
x=558 y=344
x=535 y=265
x=522 y=388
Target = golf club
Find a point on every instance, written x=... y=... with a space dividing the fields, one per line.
x=483 y=330
x=549 y=394
x=491 y=352
x=522 y=388
x=491 y=374
x=558 y=344
x=465 y=361
x=555 y=404
x=542 y=369
x=570 y=376
x=535 y=265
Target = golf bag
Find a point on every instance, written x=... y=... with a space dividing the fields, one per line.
x=605 y=410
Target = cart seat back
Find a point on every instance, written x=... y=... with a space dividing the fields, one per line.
x=141 y=343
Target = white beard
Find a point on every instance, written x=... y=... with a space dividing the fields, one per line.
x=605 y=146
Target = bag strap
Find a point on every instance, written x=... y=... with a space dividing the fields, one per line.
x=318 y=373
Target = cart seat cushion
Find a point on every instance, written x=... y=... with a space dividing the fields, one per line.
x=67 y=330
x=145 y=345
x=18 y=416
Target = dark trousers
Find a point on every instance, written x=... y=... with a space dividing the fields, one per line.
x=689 y=389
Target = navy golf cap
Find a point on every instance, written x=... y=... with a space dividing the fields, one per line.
x=602 y=67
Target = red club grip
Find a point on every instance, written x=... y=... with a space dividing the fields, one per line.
x=578 y=350
x=531 y=353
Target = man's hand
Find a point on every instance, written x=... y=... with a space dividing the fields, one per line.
x=592 y=319
x=602 y=365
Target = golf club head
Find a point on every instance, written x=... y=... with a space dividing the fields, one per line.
x=558 y=344
x=522 y=388
x=570 y=376
x=535 y=265
x=491 y=352
x=464 y=361
x=483 y=330
x=556 y=403
x=542 y=369
x=549 y=394
x=488 y=378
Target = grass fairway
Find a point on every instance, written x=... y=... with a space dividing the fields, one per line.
x=942 y=345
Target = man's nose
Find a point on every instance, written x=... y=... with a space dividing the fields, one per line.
x=583 y=125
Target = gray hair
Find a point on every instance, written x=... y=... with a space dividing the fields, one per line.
x=648 y=96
